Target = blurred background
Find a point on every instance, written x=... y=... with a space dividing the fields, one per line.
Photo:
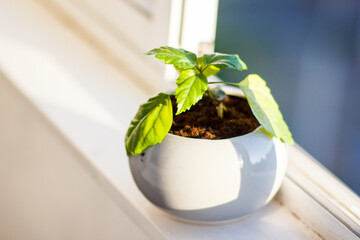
x=309 y=53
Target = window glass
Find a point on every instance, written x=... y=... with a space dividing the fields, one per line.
x=309 y=53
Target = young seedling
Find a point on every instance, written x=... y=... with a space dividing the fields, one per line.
x=154 y=118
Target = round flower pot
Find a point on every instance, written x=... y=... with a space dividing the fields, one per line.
x=211 y=180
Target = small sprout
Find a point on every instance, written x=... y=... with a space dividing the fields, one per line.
x=218 y=97
x=217 y=93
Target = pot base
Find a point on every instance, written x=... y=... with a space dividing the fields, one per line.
x=175 y=216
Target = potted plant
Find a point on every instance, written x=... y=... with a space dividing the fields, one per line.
x=203 y=153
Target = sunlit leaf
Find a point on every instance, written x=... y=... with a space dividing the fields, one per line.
x=265 y=108
x=221 y=61
x=191 y=88
x=150 y=125
x=180 y=58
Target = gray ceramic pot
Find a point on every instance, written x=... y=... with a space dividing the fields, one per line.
x=211 y=180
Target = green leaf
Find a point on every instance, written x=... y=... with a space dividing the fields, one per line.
x=265 y=108
x=221 y=61
x=209 y=69
x=150 y=125
x=180 y=58
x=191 y=88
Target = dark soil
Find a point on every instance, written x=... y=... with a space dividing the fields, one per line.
x=201 y=121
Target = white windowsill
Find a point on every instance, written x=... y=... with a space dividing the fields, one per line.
x=90 y=104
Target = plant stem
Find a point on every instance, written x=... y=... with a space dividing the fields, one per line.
x=225 y=83
x=220 y=110
x=202 y=70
